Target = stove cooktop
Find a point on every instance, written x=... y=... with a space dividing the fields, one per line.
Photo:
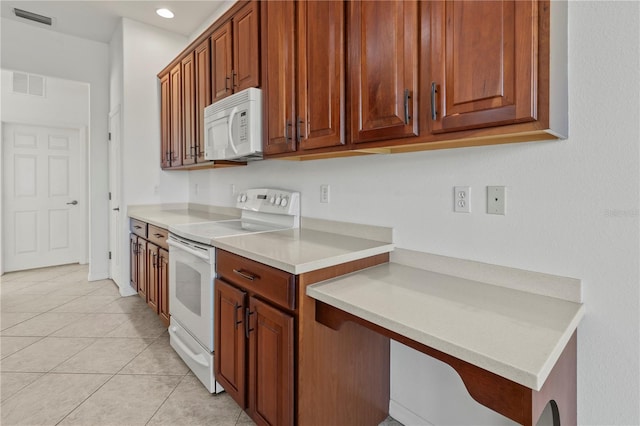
x=204 y=232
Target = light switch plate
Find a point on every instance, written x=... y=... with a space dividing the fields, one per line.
x=496 y=200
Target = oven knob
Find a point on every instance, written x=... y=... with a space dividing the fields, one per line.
x=278 y=199
x=243 y=198
x=284 y=202
x=272 y=200
x=239 y=198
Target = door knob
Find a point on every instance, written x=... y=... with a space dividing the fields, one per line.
x=117 y=209
x=74 y=202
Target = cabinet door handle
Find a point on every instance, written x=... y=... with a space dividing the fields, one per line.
x=247 y=330
x=233 y=79
x=245 y=274
x=226 y=83
x=407 y=96
x=153 y=260
x=287 y=126
x=434 y=112
x=299 y=124
x=236 y=307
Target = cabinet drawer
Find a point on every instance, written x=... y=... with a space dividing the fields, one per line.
x=158 y=236
x=139 y=227
x=272 y=284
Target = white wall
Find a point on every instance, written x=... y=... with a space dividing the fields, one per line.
x=138 y=52
x=572 y=210
x=40 y=51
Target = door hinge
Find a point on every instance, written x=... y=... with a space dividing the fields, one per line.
x=109 y=135
x=109 y=255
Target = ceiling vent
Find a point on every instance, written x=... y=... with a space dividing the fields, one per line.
x=28 y=84
x=32 y=16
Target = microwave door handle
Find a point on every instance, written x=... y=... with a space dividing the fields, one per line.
x=231 y=116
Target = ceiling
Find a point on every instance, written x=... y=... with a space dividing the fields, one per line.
x=97 y=20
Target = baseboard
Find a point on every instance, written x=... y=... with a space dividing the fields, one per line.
x=127 y=290
x=406 y=416
x=95 y=276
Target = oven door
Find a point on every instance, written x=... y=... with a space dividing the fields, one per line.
x=191 y=277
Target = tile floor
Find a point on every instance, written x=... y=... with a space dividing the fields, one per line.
x=75 y=352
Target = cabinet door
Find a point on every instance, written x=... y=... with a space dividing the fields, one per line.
x=175 y=103
x=203 y=93
x=230 y=340
x=188 y=109
x=221 y=62
x=152 y=276
x=321 y=74
x=383 y=39
x=246 y=57
x=163 y=285
x=133 y=261
x=271 y=367
x=165 y=122
x=278 y=19
x=141 y=260
x=483 y=63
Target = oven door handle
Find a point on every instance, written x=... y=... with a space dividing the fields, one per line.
x=195 y=357
x=188 y=250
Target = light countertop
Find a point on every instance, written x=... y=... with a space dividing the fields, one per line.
x=512 y=333
x=295 y=250
x=164 y=217
x=301 y=250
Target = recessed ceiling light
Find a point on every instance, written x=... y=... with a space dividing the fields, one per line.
x=165 y=13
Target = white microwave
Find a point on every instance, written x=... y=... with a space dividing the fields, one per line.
x=233 y=127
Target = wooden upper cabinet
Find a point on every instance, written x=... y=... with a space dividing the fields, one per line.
x=235 y=60
x=278 y=60
x=175 y=103
x=483 y=63
x=188 y=109
x=221 y=62
x=203 y=93
x=320 y=120
x=383 y=43
x=246 y=54
x=165 y=124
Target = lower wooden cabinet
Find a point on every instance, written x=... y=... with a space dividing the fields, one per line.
x=254 y=341
x=149 y=270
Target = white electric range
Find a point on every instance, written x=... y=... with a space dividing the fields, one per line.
x=192 y=272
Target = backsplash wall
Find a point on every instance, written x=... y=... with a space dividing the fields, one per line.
x=572 y=210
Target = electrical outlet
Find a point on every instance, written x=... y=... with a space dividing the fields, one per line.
x=496 y=200
x=196 y=188
x=233 y=189
x=462 y=199
x=324 y=193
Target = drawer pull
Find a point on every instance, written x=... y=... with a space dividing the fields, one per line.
x=137 y=226
x=246 y=275
x=158 y=235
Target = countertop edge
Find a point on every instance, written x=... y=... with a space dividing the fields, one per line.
x=304 y=267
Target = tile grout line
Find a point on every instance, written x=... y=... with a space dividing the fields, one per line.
x=166 y=399
x=84 y=400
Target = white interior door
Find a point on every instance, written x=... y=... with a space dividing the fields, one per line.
x=42 y=196
x=115 y=216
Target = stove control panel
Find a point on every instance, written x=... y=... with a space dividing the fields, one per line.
x=275 y=201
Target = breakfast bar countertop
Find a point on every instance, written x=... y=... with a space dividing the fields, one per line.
x=513 y=333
